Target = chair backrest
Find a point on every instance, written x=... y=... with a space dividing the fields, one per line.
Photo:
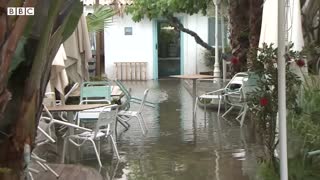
x=106 y=117
x=234 y=88
x=95 y=91
x=236 y=82
x=145 y=94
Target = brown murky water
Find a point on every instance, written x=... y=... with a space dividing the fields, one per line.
x=178 y=147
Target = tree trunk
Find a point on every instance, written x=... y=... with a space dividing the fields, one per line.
x=239 y=27
x=174 y=22
x=27 y=82
x=255 y=19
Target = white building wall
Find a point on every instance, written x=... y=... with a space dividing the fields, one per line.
x=138 y=47
x=193 y=52
x=128 y=48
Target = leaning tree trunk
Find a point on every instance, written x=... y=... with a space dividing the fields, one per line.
x=22 y=88
x=239 y=37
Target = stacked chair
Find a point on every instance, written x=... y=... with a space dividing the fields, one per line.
x=126 y=114
x=232 y=95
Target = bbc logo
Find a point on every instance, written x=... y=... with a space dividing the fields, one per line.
x=20 y=11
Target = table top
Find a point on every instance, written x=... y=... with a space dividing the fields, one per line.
x=79 y=107
x=192 y=76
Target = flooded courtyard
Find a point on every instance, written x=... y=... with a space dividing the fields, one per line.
x=176 y=145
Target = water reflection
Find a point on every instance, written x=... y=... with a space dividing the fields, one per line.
x=178 y=147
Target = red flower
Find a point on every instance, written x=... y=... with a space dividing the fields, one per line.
x=300 y=62
x=263 y=101
x=235 y=60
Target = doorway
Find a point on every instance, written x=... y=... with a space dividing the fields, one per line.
x=169 y=50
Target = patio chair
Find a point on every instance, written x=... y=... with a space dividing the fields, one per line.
x=103 y=129
x=95 y=90
x=42 y=138
x=126 y=115
x=132 y=98
x=231 y=94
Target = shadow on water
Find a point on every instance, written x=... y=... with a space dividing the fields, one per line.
x=178 y=147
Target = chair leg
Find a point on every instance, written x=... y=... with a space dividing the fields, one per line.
x=144 y=122
x=30 y=175
x=114 y=146
x=65 y=143
x=51 y=170
x=96 y=151
x=140 y=123
x=123 y=123
x=219 y=106
x=227 y=111
x=243 y=115
x=99 y=146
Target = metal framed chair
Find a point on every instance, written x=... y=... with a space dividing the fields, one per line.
x=132 y=98
x=231 y=94
x=126 y=115
x=103 y=129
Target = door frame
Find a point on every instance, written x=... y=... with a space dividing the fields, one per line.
x=155 y=48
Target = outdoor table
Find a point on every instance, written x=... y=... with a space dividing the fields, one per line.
x=194 y=78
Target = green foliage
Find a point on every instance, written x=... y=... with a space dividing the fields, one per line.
x=267 y=172
x=300 y=167
x=76 y=12
x=265 y=67
x=19 y=55
x=163 y=8
x=100 y=19
x=307 y=123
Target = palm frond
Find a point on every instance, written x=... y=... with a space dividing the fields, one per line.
x=100 y=18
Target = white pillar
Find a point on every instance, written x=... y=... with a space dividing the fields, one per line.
x=282 y=91
x=224 y=64
x=216 y=70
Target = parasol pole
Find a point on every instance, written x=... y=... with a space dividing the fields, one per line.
x=282 y=91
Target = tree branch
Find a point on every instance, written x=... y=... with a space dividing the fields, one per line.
x=174 y=21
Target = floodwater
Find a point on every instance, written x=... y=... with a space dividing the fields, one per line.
x=178 y=146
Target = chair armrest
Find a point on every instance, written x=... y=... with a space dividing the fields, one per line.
x=70 y=125
x=213 y=92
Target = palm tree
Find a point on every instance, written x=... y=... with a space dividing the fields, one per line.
x=100 y=18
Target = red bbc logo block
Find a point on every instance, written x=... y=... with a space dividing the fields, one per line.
x=20 y=11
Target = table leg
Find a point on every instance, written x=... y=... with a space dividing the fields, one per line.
x=194 y=92
x=71 y=151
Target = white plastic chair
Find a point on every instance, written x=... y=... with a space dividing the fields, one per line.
x=102 y=129
x=231 y=94
x=125 y=116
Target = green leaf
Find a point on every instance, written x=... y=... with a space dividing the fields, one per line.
x=76 y=12
x=19 y=55
x=100 y=19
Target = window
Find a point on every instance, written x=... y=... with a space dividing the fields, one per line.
x=128 y=31
x=211 y=32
